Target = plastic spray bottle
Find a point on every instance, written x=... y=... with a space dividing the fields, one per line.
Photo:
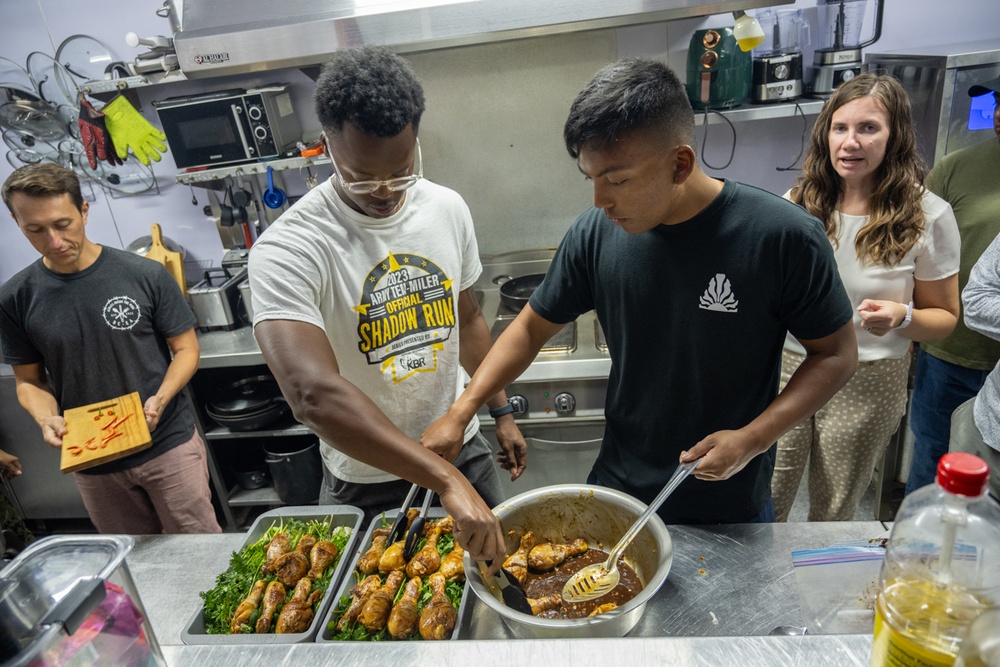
x=941 y=567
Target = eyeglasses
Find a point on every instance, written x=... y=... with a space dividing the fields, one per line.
x=368 y=187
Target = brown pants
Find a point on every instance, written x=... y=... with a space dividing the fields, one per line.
x=169 y=494
x=842 y=442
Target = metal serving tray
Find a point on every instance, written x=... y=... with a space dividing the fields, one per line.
x=350 y=579
x=340 y=515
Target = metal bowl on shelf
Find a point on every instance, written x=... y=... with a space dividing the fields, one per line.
x=562 y=513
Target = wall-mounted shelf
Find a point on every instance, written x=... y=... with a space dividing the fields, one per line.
x=748 y=112
x=263 y=496
x=232 y=171
x=140 y=81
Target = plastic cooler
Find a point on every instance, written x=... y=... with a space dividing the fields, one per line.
x=339 y=515
x=70 y=600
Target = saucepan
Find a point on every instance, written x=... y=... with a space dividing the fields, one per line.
x=599 y=515
x=515 y=292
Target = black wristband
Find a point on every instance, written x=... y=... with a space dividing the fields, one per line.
x=501 y=411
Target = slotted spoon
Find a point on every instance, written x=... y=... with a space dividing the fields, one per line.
x=600 y=579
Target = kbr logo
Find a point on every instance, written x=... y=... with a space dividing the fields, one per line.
x=412 y=362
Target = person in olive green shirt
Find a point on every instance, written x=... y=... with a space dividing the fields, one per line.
x=953 y=370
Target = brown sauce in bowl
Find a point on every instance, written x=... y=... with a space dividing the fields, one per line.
x=540 y=584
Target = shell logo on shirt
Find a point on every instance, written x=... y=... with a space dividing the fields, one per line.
x=405 y=315
x=121 y=313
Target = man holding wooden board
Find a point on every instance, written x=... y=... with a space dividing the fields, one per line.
x=84 y=327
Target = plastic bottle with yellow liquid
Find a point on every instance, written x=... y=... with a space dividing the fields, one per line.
x=941 y=567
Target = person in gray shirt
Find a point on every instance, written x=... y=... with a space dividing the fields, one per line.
x=975 y=425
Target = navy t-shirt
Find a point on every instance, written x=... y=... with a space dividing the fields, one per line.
x=100 y=333
x=695 y=315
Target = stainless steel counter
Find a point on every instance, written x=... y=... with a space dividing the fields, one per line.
x=818 y=651
x=747 y=589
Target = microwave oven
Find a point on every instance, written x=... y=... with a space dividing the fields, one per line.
x=229 y=126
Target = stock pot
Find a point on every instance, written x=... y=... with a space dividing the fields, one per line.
x=599 y=515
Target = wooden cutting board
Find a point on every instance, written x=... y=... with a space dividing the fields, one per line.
x=104 y=431
x=168 y=258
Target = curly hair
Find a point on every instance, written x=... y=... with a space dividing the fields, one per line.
x=895 y=216
x=43 y=180
x=370 y=87
x=631 y=94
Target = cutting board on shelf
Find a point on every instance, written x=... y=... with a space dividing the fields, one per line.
x=104 y=431
x=168 y=258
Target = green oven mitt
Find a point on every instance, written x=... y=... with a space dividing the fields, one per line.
x=128 y=129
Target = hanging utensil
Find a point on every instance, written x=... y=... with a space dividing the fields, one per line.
x=417 y=528
x=399 y=525
x=600 y=579
x=273 y=197
x=169 y=259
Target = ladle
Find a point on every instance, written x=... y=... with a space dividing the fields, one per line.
x=600 y=579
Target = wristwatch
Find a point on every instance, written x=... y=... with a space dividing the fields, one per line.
x=908 y=318
x=497 y=413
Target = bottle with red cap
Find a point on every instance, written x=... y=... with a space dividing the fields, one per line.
x=941 y=567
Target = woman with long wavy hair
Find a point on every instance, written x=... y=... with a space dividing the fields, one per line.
x=897 y=249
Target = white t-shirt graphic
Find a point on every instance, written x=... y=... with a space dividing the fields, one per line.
x=385 y=292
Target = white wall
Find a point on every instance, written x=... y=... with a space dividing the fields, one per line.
x=493 y=125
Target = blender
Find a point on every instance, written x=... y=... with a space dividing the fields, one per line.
x=839 y=57
x=777 y=63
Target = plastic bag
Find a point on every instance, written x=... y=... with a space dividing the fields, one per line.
x=838 y=587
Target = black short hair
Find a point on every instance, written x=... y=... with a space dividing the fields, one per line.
x=372 y=88
x=631 y=94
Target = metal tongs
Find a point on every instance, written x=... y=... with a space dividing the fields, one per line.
x=399 y=525
x=511 y=589
x=417 y=528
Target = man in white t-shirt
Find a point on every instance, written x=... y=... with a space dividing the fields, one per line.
x=365 y=311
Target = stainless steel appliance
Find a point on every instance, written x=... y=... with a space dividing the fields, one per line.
x=777 y=63
x=215 y=300
x=839 y=57
x=215 y=40
x=559 y=400
x=937 y=80
x=229 y=126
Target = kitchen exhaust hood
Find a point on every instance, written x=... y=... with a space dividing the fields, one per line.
x=214 y=38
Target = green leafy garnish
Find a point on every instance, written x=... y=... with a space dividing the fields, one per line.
x=235 y=584
x=354 y=631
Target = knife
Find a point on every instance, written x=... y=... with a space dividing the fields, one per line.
x=510 y=588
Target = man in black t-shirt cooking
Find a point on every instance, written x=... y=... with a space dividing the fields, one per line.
x=695 y=282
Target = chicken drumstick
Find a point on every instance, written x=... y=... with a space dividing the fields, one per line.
x=320 y=556
x=437 y=618
x=403 y=617
x=545 y=557
x=360 y=594
x=297 y=614
x=517 y=562
x=375 y=613
x=243 y=611
x=273 y=596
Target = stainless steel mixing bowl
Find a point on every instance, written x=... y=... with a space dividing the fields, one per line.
x=599 y=515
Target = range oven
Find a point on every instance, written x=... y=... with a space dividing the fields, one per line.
x=559 y=400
